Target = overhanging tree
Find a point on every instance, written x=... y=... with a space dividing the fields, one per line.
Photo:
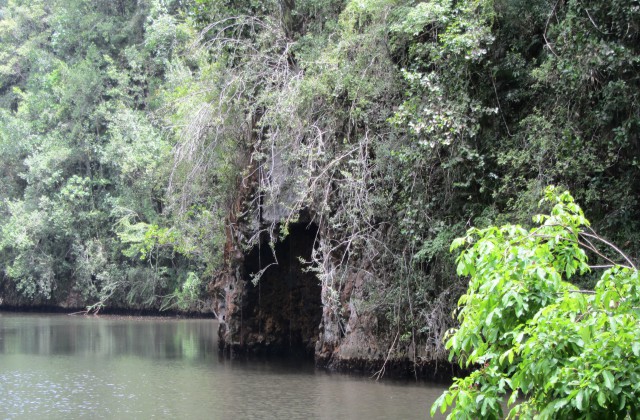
x=561 y=351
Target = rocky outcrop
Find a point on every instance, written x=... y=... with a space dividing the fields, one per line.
x=270 y=301
x=290 y=294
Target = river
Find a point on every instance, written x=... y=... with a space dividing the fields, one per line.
x=73 y=367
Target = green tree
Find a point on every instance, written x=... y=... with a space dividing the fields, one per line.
x=83 y=151
x=562 y=352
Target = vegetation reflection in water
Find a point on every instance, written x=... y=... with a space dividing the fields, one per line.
x=56 y=366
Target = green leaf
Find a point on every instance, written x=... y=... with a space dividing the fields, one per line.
x=440 y=402
x=579 y=400
x=559 y=404
x=608 y=379
x=457 y=243
x=623 y=402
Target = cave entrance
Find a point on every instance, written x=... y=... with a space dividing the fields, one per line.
x=284 y=308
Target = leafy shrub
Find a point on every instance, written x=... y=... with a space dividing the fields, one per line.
x=561 y=351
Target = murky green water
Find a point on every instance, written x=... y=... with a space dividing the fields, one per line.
x=69 y=367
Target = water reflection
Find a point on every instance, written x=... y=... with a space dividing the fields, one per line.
x=79 y=367
x=107 y=337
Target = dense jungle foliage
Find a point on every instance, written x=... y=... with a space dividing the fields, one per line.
x=138 y=136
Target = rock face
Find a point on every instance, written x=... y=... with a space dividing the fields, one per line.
x=290 y=310
x=271 y=300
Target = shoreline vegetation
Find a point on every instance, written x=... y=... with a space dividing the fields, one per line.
x=555 y=349
x=110 y=312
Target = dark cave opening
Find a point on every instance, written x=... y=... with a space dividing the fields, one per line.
x=283 y=310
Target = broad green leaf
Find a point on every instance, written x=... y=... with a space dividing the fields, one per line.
x=608 y=379
x=579 y=400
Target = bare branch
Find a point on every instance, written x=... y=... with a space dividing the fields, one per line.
x=604 y=241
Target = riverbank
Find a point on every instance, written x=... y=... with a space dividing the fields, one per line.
x=115 y=312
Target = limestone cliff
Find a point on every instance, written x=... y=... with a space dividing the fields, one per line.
x=274 y=299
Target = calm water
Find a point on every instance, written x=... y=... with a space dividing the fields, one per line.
x=68 y=367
